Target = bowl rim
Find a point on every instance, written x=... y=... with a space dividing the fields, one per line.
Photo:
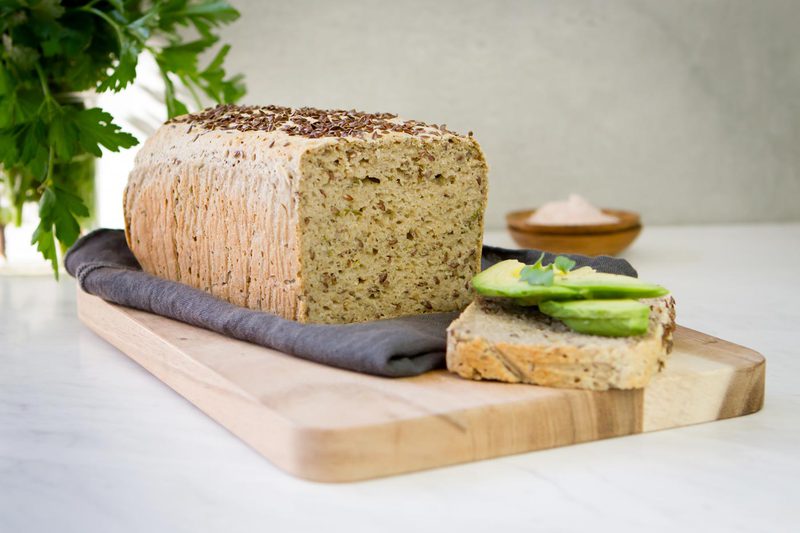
x=628 y=220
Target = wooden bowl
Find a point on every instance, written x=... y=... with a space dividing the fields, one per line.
x=589 y=239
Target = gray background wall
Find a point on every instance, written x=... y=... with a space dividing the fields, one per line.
x=687 y=111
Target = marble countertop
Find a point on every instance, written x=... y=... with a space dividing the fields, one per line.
x=89 y=441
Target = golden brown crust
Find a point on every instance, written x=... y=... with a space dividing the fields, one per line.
x=218 y=213
x=669 y=324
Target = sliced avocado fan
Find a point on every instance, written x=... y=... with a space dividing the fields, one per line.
x=586 y=301
x=507 y=279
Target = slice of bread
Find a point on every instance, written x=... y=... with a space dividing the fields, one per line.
x=500 y=341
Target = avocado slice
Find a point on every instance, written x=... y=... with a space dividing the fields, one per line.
x=624 y=327
x=602 y=285
x=608 y=318
x=502 y=280
x=603 y=309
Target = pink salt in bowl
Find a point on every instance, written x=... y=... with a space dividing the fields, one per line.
x=588 y=239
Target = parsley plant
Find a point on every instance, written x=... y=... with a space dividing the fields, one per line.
x=53 y=49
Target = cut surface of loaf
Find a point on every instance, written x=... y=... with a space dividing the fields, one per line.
x=315 y=215
x=503 y=342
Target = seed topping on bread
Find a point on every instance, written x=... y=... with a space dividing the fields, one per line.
x=308 y=122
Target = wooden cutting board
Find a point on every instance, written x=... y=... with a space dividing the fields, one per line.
x=327 y=424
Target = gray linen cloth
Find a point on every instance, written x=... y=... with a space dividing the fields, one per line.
x=104 y=266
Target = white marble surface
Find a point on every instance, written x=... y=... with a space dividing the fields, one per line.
x=91 y=442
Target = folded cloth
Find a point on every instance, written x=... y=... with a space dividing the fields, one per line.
x=104 y=266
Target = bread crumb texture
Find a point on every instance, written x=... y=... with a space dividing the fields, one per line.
x=496 y=341
x=317 y=216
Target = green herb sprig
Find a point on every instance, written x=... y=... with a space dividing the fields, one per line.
x=52 y=49
x=539 y=274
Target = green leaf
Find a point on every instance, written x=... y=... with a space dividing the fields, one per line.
x=59 y=210
x=119 y=5
x=537 y=273
x=62 y=208
x=8 y=148
x=51 y=47
x=20 y=105
x=143 y=27
x=214 y=11
x=564 y=263
x=216 y=86
x=7 y=110
x=537 y=276
x=203 y=15
x=6 y=85
x=29 y=102
x=132 y=37
x=124 y=71
x=174 y=106
x=96 y=129
x=46 y=244
x=63 y=136
x=72 y=203
x=22 y=56
x=47 y=9
x=182 y=58
x=233 y=89
x=33 y=150
x=74 y=39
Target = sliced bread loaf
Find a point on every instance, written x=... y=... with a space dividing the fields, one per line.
x=315 y=215
x=500 y=341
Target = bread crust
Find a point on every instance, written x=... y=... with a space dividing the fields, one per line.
x=213 y=210
x=594 y=363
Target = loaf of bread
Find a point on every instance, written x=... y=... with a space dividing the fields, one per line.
x=315 y=215
x=500 y=341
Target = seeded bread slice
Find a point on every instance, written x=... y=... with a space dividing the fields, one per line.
x=499 y=341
